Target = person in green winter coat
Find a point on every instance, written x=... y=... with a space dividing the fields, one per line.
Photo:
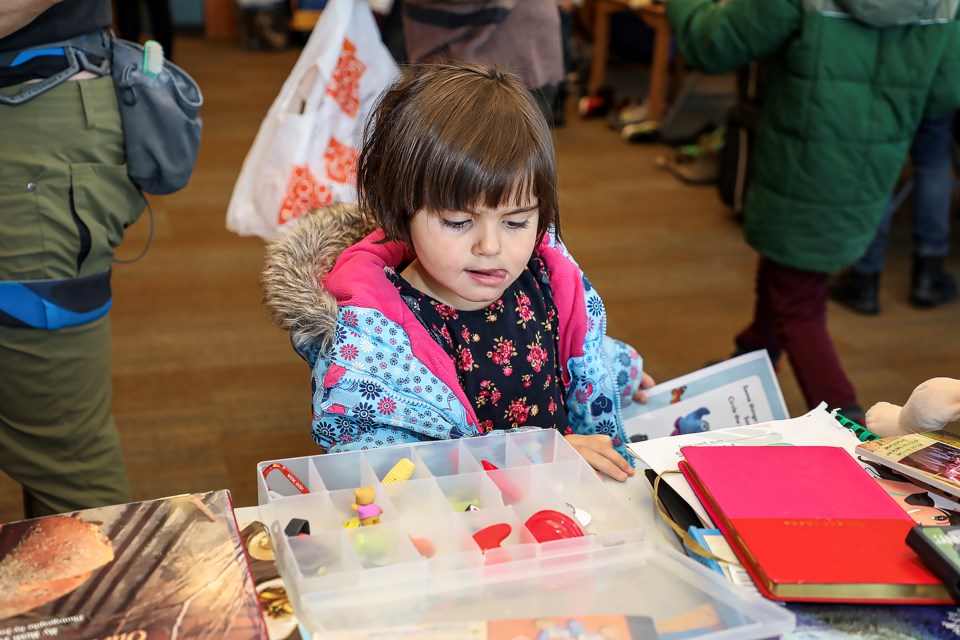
x=849 y=83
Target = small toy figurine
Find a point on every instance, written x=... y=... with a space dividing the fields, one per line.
x=693 y=422
x=367 y=511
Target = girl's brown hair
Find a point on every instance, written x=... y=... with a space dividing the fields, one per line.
x=452 y=136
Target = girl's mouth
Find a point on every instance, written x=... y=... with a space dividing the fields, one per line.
x=487 y=276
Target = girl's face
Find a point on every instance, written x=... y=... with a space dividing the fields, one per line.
x=466 y=259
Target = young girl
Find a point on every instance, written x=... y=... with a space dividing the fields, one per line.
x=461 y=313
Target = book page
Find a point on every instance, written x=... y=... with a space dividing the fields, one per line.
x=736 y=392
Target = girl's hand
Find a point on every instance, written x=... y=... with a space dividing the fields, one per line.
x=598 y=451
x=646 y=381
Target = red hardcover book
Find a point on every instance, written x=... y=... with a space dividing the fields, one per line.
x=809 y=525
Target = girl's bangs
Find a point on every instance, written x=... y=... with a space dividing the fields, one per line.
x=465 y=181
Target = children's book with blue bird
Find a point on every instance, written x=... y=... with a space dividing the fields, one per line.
x=738 y=392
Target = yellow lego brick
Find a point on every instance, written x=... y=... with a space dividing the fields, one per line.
x=400 y=471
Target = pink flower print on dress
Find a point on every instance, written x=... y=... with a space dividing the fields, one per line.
x=349 y=352
x=446 y=312
x=503 y=350
x=523 y=309
x=517 y=412
x=446 y=335
x=350 y=318
x=537 y=356
x=465 y=360
x=494 y=310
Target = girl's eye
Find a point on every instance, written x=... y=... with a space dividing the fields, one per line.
x=511 y=224
x=454 y=224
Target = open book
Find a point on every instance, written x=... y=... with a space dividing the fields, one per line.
x=736 y=392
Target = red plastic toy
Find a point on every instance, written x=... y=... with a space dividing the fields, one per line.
x=549 y=525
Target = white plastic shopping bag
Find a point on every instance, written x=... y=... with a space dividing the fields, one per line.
x=305 y=153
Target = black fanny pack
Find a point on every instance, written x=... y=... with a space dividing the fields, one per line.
x=159 y=112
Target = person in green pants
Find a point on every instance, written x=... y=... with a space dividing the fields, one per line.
x=849 y=82
x=65 y=200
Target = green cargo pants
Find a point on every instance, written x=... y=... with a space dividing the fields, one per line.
x=65 y=201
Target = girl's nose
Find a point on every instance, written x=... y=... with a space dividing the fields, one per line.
x=488 y=244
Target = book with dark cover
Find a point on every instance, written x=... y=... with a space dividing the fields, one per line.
x=809 y=525
x=168 y=568
x=939 y=549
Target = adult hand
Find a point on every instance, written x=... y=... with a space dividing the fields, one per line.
x=646 y=381
x=598 y=451
x=16 y=14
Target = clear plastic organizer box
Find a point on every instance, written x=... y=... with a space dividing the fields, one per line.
x=421 y=565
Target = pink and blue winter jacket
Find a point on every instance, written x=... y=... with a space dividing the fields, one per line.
x=380 y=379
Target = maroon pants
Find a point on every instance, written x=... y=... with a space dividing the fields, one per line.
x=791 y=317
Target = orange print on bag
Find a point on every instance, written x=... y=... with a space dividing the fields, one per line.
x=341 y=161
x=345 y=83
x=303 y=195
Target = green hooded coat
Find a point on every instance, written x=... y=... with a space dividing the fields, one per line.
x=849 y=82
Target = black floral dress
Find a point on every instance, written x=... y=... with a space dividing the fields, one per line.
x=505 y=354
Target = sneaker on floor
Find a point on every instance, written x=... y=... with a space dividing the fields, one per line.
x=631 y=113
x=645 y=131
x=857 y=291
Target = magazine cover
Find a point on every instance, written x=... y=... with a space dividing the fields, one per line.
x=168 y=568
x=931 y=458
x=738 y=392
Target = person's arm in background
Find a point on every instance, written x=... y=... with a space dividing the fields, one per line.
x=16 y=14
x=716 y=38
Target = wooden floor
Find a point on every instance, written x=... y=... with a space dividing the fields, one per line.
x=205 y=387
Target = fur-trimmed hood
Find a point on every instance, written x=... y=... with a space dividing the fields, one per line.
x=296 y=265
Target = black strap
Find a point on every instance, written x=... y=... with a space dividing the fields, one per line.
x=76 y=50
